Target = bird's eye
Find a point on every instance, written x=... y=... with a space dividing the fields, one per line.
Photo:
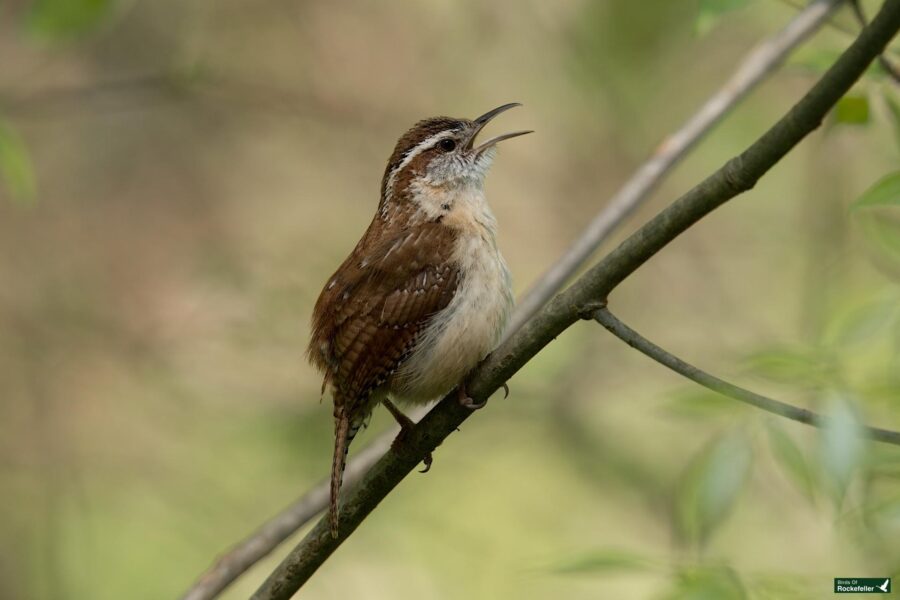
x=447 y=145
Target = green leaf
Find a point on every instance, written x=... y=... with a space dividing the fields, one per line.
x=698 y=402
x=784 y=586
x=59 y=19
x=893 y=106
x=882 y=389
x=884 y=519
x=15 y=166
x=710 y=485
x=785 y=364
x=861 y=323
x=710 y=583
x=816 y=60
x=791 y=459
x=605 y=560
x=842 y=446
x=883 y=461
x=882 y=235
x=886 y=192
x=852 y=110
x=711 y=11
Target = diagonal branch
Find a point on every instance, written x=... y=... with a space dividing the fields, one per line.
x=782 y=409
x=586 y=296
x=754 y=68
x=889 y=68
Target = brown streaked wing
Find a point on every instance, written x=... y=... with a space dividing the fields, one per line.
x=378 y=307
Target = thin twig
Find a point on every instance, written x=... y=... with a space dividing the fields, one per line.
x=782 y=409
x=756 y=66
x=585 y=297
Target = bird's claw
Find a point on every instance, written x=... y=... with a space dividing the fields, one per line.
x=398 y=442
x=466 y=400
x=505 y=390
x=406 y=427
x=471 y=404
x=427 y=462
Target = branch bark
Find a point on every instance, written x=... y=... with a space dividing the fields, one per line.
x=782 y=409
x=586 y=296
x=883 y=60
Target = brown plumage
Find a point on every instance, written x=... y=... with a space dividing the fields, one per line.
x=424 y=294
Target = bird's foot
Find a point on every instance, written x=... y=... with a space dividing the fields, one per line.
x=406 y=426
x=467 y=400
x=470 y=403
x=427 y=460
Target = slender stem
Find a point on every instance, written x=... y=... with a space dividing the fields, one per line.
x=782 y=409
x=754 y=68
x=585 y=297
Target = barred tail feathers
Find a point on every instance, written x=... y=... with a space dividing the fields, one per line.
x=344 y=432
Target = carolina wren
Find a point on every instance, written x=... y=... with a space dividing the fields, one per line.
x=425 y=294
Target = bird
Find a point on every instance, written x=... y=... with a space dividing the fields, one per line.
x=425 y=294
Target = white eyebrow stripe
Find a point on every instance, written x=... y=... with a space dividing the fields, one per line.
x=417 y=149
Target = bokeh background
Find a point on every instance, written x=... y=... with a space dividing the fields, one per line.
x=179 y=179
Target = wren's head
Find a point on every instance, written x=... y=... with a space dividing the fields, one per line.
x=439 y=155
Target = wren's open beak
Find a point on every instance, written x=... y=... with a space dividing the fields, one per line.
x=483 y=120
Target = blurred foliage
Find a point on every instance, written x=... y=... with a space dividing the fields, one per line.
x=801 y=366
x=65 y=19
x=843 y=445
x=711 y=11
x=708 y=583
x=791 y=458
x=816 y=60
x=710 y=486
x=604 y=561
x=15 y=166
x=886 y=192
x=194 y=171
x=893 y=106
x=696 y=402
x=877 y=212
x=852 y=110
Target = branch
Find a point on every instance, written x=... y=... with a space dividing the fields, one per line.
x=584 y=297
x=883 y=60
x=756 y=66
x=782 y=409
